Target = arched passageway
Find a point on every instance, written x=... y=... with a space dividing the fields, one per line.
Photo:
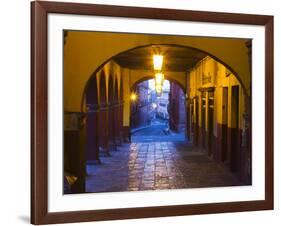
x=157 y=117
x=208 y=99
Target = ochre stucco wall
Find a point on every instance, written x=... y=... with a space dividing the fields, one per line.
x=217 y=71
x=85 y=52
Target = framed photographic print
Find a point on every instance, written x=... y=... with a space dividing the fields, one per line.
x=148 y=112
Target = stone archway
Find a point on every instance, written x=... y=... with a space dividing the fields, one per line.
x=235 y=58
x=177 y=90
x=243 y=78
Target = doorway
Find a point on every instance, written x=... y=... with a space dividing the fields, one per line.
x=225 y=155
x=234 y=132
x=203 y=120
x=210 y=122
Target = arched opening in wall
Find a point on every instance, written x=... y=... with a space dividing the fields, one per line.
x=183 y=59
x=126 y=58
x=198 y=116
x=157 y=116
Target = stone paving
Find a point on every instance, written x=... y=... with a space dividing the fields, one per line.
x=156 y=165
x=156 y=132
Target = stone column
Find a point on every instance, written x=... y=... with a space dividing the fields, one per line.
x=118 y=123
x=103 y=129
x=111 y=125
x=120 y=120
x=92 y=134
x=115 y=122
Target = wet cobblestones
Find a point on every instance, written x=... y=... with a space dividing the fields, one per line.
x=156 y=165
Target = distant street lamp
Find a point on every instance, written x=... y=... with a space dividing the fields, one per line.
x=158 y=89
x=159 y=78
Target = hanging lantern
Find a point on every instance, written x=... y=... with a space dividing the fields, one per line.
x=158 y=89
x=159 y=78
x=157 y=62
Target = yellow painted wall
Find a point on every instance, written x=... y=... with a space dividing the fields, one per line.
x=85 y=52
x=218 y=79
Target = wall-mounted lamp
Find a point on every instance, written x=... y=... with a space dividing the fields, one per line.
x=133 y=97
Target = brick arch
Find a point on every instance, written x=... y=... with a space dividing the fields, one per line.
x=92 y=139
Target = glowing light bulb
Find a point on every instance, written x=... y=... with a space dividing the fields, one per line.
x=159 y=78
x=158 y=88
x=157 y=62
x=133 y=97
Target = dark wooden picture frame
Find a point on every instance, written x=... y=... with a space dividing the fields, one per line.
x=39 y=109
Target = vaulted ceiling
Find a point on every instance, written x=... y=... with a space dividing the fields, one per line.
x=176 y=59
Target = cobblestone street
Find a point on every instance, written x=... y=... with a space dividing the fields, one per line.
x=156 y=165
x=156 y=133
